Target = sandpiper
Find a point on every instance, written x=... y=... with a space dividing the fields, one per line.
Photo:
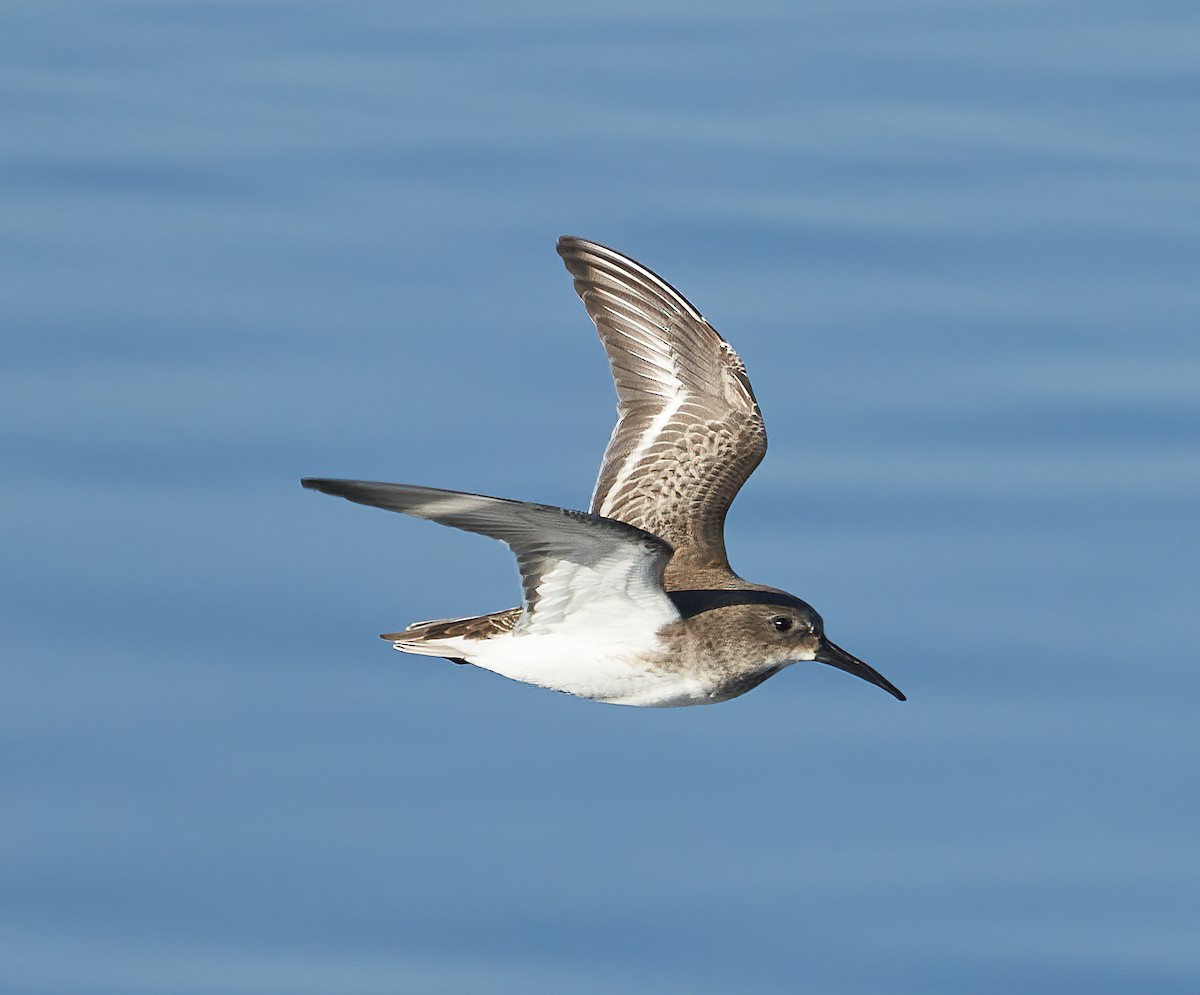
x=634 y=602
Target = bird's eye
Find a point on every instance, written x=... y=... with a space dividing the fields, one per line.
x=781 y=623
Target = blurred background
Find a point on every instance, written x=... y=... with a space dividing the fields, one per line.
x=956 y=245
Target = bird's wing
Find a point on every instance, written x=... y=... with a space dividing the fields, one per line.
x=592 y=577
x=689 y=431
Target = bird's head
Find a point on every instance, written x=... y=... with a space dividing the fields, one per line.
x=787 y=629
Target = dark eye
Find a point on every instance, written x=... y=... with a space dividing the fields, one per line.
x=781 y=623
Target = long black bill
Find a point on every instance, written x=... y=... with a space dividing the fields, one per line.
x=835 y=656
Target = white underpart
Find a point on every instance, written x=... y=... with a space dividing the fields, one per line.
x=602 y=672
x=612 y=669
x=594 y=633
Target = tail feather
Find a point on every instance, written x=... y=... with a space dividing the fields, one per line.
x=447 y=636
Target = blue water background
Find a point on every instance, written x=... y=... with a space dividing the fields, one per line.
x=957 y=245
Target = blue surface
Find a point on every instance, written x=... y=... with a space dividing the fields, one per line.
x=957 y=246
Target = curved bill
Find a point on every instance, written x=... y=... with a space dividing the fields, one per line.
x=835 y=656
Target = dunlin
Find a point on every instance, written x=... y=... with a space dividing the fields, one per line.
x=634 y=602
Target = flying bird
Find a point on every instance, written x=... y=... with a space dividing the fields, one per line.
x=634 y=601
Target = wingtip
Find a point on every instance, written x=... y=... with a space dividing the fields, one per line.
x=570 y=243
x=324 y=485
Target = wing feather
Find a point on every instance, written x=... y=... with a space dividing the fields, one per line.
x=578 y=570
x=689 y=431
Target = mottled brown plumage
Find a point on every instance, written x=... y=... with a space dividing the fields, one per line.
x=689 y=431
x=470 y=627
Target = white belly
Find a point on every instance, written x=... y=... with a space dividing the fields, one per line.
x=600 y=672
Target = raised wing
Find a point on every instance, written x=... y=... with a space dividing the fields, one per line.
x=689 y=431
x=578 y=571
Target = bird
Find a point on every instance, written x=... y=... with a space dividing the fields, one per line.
x=632 y=602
